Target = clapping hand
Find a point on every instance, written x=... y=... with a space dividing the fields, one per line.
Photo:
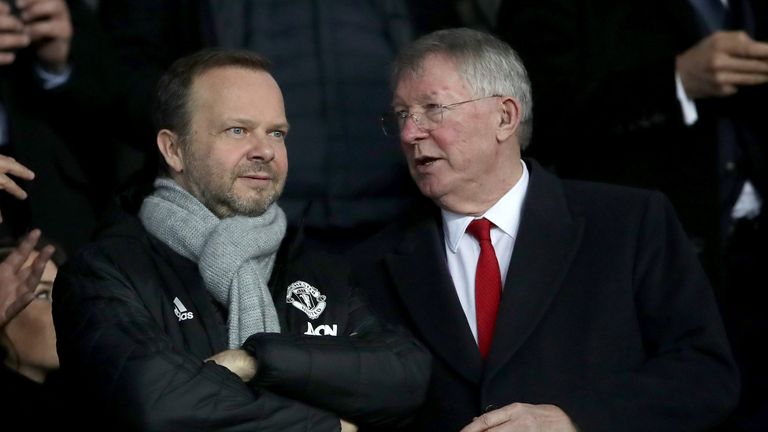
x=18 y=283
x=45 y=25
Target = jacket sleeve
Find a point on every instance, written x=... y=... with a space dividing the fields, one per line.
x=689 y=380
x=122 y=358
x=375 y=375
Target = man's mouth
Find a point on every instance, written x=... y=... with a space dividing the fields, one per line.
x=256 y=180
x=425 y=161
x=257 y=176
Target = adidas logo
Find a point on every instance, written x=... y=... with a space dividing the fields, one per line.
x=181 y=312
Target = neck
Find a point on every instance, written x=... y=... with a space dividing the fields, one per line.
x=188 y=187
x=483 y=193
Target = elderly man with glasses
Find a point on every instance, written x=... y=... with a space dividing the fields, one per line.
x=547 y=304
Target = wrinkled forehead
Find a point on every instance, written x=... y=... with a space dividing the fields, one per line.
x=233 y=78
x=234 y=90
x=431 y=64
x=432 y=77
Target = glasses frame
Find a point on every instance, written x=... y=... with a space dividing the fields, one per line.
x=401 y=117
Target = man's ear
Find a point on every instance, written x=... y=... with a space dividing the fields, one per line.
x=169 y=145
x=509 y=118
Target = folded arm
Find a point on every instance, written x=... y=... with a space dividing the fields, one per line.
x=123 y=358
x=374 y=375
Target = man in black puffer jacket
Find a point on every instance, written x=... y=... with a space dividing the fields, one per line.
x=200 y=314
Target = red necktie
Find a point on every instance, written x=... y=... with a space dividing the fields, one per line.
x=487 y=284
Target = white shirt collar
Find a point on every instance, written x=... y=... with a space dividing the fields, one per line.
x=505 y=214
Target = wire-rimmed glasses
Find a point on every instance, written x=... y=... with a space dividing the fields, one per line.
x=392 y=122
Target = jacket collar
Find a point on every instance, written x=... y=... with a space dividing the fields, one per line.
x=548 y=238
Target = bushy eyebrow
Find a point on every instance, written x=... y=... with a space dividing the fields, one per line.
x=421 y=100
x=250 y=124
x=282 y=125
x=240 y=121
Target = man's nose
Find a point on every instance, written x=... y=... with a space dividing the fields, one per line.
x=411 y=130
x=260 y=148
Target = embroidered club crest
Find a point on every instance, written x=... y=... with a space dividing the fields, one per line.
x=306 y=298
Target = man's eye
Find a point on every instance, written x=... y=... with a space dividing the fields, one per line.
x=237 y=131
x=277 y=134
x=402 y=114
x=43 y=295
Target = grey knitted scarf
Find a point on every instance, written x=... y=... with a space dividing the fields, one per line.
x=235 y=255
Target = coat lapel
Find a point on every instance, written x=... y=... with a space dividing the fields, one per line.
x=423 y=282
x=547 y=241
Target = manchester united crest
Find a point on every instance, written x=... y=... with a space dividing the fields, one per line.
x=306 y=298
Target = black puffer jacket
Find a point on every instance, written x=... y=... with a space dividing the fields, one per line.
x=135 y=323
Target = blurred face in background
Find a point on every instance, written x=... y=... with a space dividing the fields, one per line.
x=29 y=339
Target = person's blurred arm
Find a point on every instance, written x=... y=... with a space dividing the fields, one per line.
x=722 y=63
x=716 y=67
x=17 y=284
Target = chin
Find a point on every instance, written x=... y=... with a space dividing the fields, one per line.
x=252 y=209
x=430 y=190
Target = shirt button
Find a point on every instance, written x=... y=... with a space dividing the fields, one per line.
x=730 y=166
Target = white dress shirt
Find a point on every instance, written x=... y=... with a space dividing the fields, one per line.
x=463 y=250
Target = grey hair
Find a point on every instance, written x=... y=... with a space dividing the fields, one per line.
x=488 y=65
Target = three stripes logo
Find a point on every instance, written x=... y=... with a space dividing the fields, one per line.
x=181 y=312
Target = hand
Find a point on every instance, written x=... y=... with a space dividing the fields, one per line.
x=17 y=284
x=238 y=361
x=9 y=166
x=520 y=417
x=721 y=63
x=347 y=426
x=12 y=35
x=49 y=27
